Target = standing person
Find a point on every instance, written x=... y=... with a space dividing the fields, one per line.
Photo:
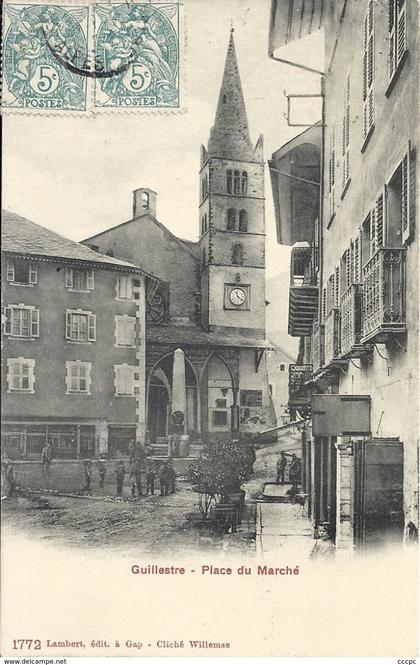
x=102 y=471
x=171 y=474
x=294 y=472
x=164 y=479
x=324 y=546
x=46 y=457
x=150 y=479
x=120 y=475
x=88 y=474
x=281 y=467
x=135 y=477
x=11 y=479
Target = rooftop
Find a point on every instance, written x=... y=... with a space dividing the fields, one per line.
x=20 y=236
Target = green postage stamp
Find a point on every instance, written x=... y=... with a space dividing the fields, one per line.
x=91 y=57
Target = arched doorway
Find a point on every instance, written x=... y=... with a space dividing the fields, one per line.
x=159 y=398
x=218 y=396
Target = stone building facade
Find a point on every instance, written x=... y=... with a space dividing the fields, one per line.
x=208 y=311
x=73 y=342
x=354 y=275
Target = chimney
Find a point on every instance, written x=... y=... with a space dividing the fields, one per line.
x=144 y=201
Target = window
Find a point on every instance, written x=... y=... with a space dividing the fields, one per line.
x=204 y=187
x=331 y=174
x=243 y=221
x=397 y=11
x=231 y=219
x=79 y=279
x=229 y=181
x=145 y=201
x=21 y=321
x=80 y=326
x=236 y=182
x=20 y=375
x=124 y=287
x=219 y=418
x=244 y=182
x=346 y=137
x=400 y=203
x=368 y=71
x=282 y=367
x=125 y=330
x=78 y=376
x=204 y=224
x=237 y=254
x=20 y=271
x=221 y=403
x=124 y=379
x=203 y=257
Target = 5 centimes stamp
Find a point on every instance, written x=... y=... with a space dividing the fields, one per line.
x=140 y=44
x=37 y=41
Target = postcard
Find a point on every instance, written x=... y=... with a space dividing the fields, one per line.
x=210 y=279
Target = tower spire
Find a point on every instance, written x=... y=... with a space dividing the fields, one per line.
x=229 y=136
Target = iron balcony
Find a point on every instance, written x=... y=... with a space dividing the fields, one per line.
x=383 y=308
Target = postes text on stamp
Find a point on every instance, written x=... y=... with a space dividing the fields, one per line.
x=140 y=44
x=37 y=39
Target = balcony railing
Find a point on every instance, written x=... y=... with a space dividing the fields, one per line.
x=383 y=309
x=351 y=322
x=317 y=347
x=332 y=336
x=299 y=394
x=303 y=294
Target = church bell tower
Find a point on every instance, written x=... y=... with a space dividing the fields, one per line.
x=231 y=212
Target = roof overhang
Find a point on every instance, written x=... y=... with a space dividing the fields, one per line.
x=294 y=20
x=295 y=182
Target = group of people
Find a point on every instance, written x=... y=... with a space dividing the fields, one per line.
x=137 y=467
x=294 y=469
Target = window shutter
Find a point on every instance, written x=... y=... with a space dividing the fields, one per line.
x=35 y=323
x=391 y=18
x=8 y=321
x=407 y=196
x=380 y=221
x=356 y=261
x=368 y=70
x=68 y=325
x=92 y=327
x=33 y=273
x=337 y=287
x=90 y=280
x=69 y=278
x=10 y=271
x=349 y=265
x=401 y=45
x=324 y=303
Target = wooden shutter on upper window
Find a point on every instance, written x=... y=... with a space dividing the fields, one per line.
x=401 y=27
x=90 y=280
x=8 y=320
x=380 y=231
x=33 y=273
x=356 y=260
x=92 y=327
x=368 y=70
x=10 y=271
x=35 y=323
x=408 y=196
x=68 y=325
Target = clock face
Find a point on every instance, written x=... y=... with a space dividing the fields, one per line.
x=237 y=296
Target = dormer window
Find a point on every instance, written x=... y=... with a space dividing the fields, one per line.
x=20 y=271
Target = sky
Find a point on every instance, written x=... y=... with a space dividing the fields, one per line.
x=75 y=175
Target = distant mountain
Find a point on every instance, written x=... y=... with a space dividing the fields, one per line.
x=277 y=294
